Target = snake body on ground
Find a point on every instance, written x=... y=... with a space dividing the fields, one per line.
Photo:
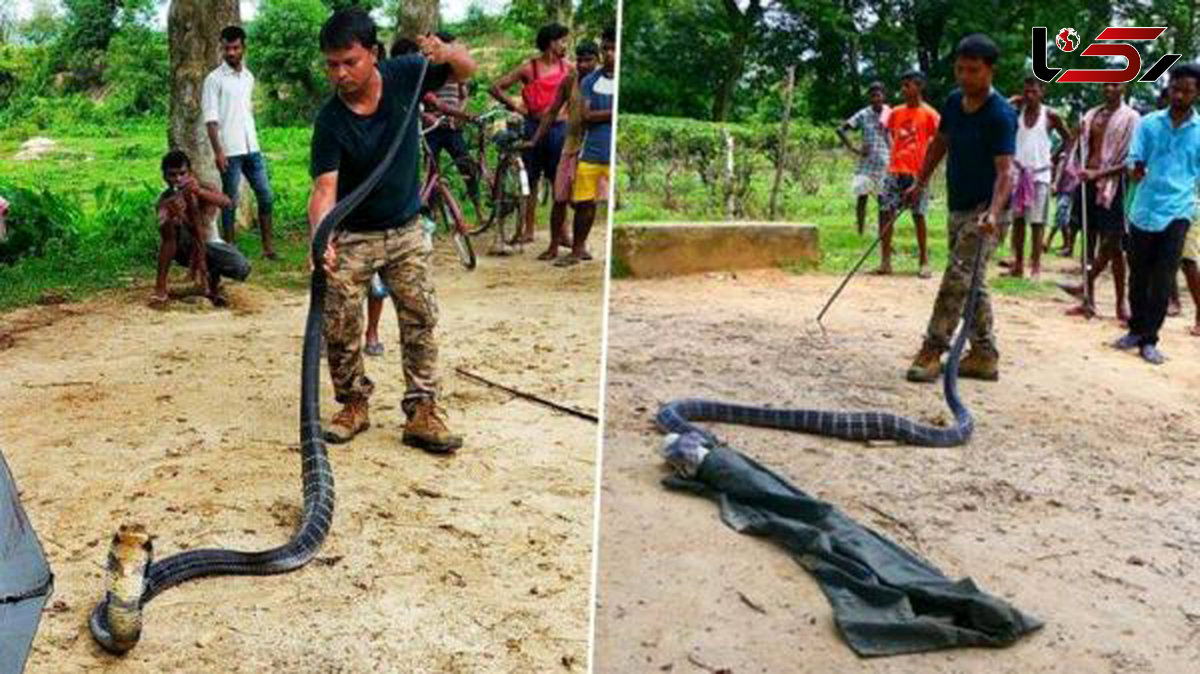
x=687 y=443
x=115 y=623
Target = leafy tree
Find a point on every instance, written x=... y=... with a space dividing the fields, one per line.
x=282 y=51
x=138 y=72
x=91 y=24
x=43 y=26
x=369 y=5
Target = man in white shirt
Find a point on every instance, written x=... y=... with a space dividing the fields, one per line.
x=228 y=107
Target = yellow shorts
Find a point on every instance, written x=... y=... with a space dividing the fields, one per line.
x=1191 y=244
x=591 y=182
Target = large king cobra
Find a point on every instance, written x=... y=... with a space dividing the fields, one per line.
x=687 y=443
x=134 y=579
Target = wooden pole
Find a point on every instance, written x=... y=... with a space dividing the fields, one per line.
x=729 y=210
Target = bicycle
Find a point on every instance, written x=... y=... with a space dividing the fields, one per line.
x=441 y=205
x=508 y=186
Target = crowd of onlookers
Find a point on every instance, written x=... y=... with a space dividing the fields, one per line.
x=1126 y=177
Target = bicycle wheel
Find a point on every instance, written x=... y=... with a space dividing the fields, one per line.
x=510 y=200
x=452 y=219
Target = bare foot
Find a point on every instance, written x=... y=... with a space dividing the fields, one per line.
x=548 y=254
x=1035 y=273
x=1123 y=313
x=1014 y=272
x=1081 y=310
x=1173 y=308
x=882 y=270
x=1195 y=331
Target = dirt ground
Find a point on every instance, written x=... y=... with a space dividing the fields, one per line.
x=1076 y=499
x=186 y=420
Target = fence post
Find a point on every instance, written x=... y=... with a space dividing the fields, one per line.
x=728 y=173
x=783 y=137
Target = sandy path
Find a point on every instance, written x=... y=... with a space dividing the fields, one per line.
x=1076 y=499
x=185 y=420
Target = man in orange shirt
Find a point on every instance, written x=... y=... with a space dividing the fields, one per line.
x=911 y=127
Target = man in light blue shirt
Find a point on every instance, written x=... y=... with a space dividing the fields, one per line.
x=1165 y=158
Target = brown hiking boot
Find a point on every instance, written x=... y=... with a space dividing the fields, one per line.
x=349 y=422
x=926 y=366
x=426 y=429
x=980 y=365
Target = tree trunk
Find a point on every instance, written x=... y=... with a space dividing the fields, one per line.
x=743 y=25
x=418 y=17
x=852 y=52
x=723 y=102
x=783 y=138
x=193 y=30
x=729 y=195
x=928 y=23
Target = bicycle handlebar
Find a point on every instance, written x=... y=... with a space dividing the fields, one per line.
x=436 y=123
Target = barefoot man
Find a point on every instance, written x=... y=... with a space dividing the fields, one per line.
x=540 y=78
x=569 y=95
x=1107 y=131
x=185 y=211
x=1031 y=203
x=911 y=127
x=873 y=155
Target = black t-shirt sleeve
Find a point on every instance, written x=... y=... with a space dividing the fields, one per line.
x=1002 y=129
x=947 y=115
x=326 y=152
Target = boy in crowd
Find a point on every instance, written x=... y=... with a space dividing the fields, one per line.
x=873 y=155
x=910 y=129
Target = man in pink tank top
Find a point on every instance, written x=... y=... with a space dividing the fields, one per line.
x=540 y=78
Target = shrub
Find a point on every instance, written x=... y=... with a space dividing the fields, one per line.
x=39 y=222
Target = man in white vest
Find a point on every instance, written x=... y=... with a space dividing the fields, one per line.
x=228 y=106
x=1031 y=202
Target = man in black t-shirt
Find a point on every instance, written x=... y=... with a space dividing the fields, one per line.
x=978 y=131
x=352 y=133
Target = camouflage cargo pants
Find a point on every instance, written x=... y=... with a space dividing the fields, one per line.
x=402 y=258
x=965 y=241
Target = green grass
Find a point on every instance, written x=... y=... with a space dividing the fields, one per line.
x=823 y=198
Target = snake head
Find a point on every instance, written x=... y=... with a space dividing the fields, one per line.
x=685 y=452
x=117 y=622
